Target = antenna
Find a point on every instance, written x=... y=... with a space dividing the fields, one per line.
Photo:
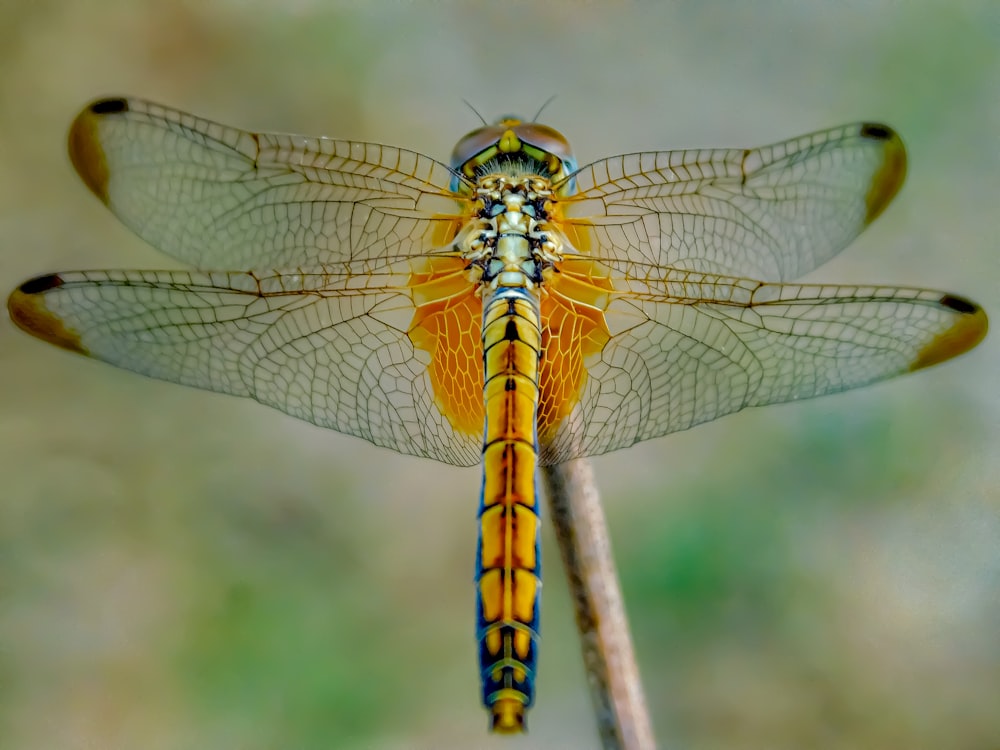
x=540 y=109
x=476 y=111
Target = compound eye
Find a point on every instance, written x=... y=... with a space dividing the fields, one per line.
x=512 y=139
x=545 y=139
x=475 y=143
x=549 y=147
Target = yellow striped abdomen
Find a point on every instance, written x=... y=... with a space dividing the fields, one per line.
x=508 y=565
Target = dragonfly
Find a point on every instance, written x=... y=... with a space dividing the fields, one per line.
x=510 y=309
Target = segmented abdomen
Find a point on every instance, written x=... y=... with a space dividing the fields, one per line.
x=508 y=563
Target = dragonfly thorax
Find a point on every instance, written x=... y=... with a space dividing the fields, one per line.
x=509 y=240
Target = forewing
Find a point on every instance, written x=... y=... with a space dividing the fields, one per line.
x=691 y=347
x=329 y=348
x=771 y=213
x=217 y=197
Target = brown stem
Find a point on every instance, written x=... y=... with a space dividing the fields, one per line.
x=616 y=690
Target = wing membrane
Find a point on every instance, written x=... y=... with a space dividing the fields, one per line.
x=326 y=339
x=217 y=197
x=693 y=347
x=327 y=347
x=771 y=213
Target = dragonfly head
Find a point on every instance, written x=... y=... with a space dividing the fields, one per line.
x=528 y=146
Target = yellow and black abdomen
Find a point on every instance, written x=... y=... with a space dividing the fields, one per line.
x=508 y=563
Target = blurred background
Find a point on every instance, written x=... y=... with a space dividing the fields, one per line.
x=182 y=570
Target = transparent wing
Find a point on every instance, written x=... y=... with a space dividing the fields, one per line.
x=217 y=197
x=327 y=347
x=771 y=213
x=691 y=347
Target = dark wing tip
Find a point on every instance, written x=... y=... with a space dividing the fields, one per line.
x=112 y=106
x=40 y=284
x=877 y=131
x=888 y=176
x=29 y=312
x=959 y=304
x=964 y=333
x=85 y=148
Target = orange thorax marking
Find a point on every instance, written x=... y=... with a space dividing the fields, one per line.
x=447 y=324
